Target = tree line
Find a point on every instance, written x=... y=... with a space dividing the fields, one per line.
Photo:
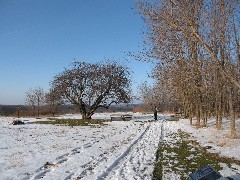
x=195 y=44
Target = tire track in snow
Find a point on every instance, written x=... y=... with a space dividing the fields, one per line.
x=43 y=170
x=117 y=161
x=137 y=162
x=63 y=159
x=102 y=160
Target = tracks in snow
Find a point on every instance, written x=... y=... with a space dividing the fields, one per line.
x=137 y=162
x=108 y=156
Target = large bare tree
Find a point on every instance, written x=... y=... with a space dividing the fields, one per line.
x=90 y=86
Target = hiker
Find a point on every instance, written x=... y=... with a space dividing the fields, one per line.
x=155 y=113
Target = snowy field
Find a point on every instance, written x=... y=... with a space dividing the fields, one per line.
x=117 y=150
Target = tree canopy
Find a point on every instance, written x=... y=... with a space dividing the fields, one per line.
x=90 y=86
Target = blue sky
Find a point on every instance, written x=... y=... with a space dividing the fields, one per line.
x=38 y=38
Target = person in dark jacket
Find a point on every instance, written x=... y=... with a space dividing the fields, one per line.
x=155 y=112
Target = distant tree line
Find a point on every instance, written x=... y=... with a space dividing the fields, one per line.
x=197 y=50
x=28 y=111
x=39 y=101
x=10 y=110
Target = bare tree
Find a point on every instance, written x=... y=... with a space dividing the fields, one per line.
x=35 y=98
x=53 y=101
x=90 y=86
x=148 y=96
x=160 y=95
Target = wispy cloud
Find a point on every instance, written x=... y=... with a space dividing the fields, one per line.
x=7 y=34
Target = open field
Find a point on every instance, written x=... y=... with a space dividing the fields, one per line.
x=109 y=150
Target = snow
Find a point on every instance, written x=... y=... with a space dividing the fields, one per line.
x=117 y=150
x=218 y=139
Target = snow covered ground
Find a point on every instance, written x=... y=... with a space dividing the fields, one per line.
x=117 y=150
x=219 y=141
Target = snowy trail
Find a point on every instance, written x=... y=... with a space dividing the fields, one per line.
x=138 y=160
x=117 y=150
x=115 y=156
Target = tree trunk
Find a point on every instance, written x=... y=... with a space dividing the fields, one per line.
x=88 y=116
x=190 y=114
x=219 y=104
x=220 y=114
x=198 y=108
x=38 y=101
x=83 y=116
x=217 y=117
x=198 y=114
x=205 y=119
x=232 y=114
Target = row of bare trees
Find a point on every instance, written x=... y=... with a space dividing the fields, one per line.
x=39 y=100
x=196 y=45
